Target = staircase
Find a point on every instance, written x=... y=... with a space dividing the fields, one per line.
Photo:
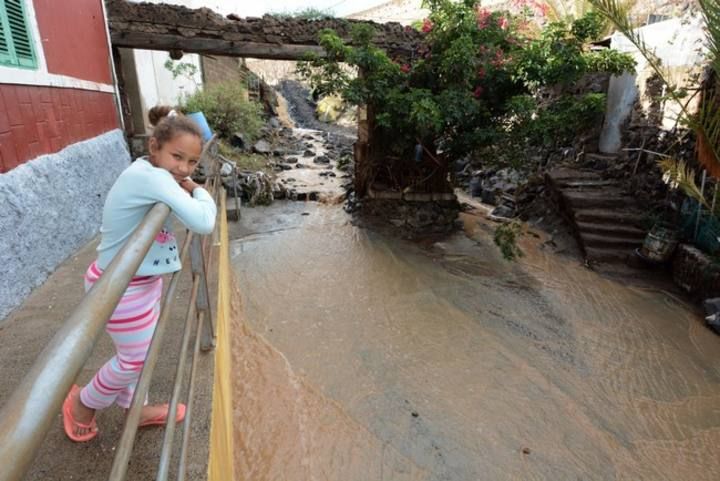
x=605 y=219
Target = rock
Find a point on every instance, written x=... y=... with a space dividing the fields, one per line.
x=300 y=166
x=487 y=196
x=238 y=140
x=291 y=160
x=262 y=147
x=279 y=191
x=278 y=152
x=475 y=188
x=226 y=169
x=274 y=123
x=502 y=212
x=322 y=159
x=309 y=153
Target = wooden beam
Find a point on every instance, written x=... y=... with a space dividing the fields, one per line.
x=213 y=46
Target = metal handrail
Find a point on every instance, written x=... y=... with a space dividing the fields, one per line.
x=30 y=412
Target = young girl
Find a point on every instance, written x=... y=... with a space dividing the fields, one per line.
x=163 y=176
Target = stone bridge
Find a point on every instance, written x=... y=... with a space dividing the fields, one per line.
x=180 y=29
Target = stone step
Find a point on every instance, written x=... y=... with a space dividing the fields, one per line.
x=610 y=216
x=602 y=240
x=565 y=174
x=584 y=199
x=611 y=227
x=585 y=183
x=605 y=157
x=608 y=254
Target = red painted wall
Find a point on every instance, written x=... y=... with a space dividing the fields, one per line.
x=74 y=38
x=43 y=120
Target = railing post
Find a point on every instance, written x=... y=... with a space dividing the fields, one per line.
x=197 y=258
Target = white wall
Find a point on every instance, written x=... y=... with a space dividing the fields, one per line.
x=157 y=86
x=679 y=43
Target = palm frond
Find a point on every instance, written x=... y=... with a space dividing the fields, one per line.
x=678 y=175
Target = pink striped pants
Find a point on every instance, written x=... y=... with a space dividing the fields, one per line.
x=131 y=328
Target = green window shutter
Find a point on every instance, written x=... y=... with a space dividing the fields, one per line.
x=16 y=46
x=4 y=47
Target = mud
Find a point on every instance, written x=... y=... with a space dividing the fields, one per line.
x=360 y=357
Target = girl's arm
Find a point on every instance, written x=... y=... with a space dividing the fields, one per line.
x=197 y=213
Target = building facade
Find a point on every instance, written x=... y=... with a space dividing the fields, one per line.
x=61 y=146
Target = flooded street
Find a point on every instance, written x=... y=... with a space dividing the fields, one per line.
x=363 y=357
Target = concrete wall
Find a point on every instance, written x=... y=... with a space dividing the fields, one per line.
x=680 y=46
x=157 y=86
x=52 y=205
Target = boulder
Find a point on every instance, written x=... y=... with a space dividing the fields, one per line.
x=262 y=147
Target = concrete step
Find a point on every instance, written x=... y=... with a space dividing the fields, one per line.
x=608 y=254
x=601 y=240
x=611 y=216
x=611 y=227
x=587 y=199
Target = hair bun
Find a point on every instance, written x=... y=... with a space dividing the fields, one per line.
x=159 y=112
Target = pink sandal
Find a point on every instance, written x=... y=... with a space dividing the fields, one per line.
x=161 y=419
x=71 y=425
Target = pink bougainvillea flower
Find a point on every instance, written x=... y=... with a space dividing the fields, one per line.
x=481 y=73
x=405 y=68
x=483 y=15
x=499 y=58
x=477 y=93
x=427 y=25
x=503 y=23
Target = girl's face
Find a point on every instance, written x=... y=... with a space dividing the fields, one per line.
x=179 y=155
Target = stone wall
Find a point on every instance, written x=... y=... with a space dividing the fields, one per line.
x=696 y=273
x=220 y=69
x=129 y=20
x=52 y=205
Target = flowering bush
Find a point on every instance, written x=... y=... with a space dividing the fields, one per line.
x=454 y=95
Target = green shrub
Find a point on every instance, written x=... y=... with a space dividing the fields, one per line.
x=226 y=109
x=506 y=236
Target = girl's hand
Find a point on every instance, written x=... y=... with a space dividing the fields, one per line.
x=188 y=184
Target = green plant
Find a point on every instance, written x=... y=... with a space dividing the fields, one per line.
x=560 y=55
x=505 y=237
x=227 y=110
x=309 y=13
x=182 y=69
x=568 y=10
x=245 y=161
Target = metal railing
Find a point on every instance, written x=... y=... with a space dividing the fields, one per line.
x=31 y=410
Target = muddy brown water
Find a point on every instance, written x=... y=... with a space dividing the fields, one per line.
x=362 y=357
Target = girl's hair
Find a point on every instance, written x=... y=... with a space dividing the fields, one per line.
x=168 y=123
